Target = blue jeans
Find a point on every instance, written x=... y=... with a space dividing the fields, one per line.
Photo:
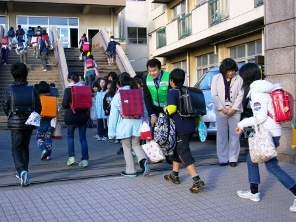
x=44 y=136
x=4 y=54
x=272 y=167
x=102 y=127
x=91 y=74
x=82 y=138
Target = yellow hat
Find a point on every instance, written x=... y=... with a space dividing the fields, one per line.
x=88 y=54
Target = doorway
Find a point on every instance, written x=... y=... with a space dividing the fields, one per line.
x=91 y=33
x=73 y=38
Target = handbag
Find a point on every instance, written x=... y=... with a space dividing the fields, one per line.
x=145 y=132
x=80 y=56
x=261 y=145
x=153 y=151
x=57 y=132
x=202 y=131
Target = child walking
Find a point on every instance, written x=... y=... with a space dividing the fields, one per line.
x=102 y=129
x=128 y=130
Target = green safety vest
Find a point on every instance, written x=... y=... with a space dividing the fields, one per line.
x=159 y=96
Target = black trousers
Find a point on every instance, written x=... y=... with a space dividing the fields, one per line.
x=20 y=148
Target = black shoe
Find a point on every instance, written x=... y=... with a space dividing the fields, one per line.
x=197 y=186
x=233 y=164
x=223 y=164
x=172 y=178
x=120 y=151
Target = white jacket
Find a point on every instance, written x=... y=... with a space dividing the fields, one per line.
x=261 y=104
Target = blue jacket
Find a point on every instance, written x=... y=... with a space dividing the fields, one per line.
x=118 y=127
x=99 y=104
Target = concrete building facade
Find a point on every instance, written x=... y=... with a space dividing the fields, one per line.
x=71 y=17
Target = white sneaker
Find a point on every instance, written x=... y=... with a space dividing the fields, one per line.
x=71 y=161
x=116 y=141
x=44 y=70
x=249 y=195
x=293 y=207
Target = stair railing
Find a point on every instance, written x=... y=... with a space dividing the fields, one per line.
x=60 y=58
x=101 y=39
x=1 y=35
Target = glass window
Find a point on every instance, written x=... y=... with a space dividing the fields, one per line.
x=246 y=52
x=137 y=35
x=259 y=2
x=179 y=9
x=2 y=20
x=241 y=51
x=204 y=63
x=58 y=21
x=161 y=38
x=251 y=48
x=218 y=11
x=22 y=20
x=38 y=21
x=73 y=21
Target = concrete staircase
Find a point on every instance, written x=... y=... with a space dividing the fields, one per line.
x=36 y=74
x=75 y=65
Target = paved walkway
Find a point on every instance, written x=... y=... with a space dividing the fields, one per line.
x=151 y=198
x=109 y=197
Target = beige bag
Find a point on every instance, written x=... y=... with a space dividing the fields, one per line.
x=80 y=57
x=261 y=145
x=57 y=133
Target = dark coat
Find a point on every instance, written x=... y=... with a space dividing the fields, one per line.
x=18 y=121
x=80 y=117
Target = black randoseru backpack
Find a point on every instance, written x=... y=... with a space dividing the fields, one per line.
x=191 y=102
x=22 y=100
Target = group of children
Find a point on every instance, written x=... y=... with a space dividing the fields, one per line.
x=21 y=40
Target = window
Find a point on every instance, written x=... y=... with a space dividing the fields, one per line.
x=204 y=63
x=179 y=9
x=182 y=65
x=3 y=22
x=38 y=21
x=259 y=2
x=218 y=11
x=246 y=52
x=58 y=21
x=160 y=38
x=137 y=35
x=184 y=24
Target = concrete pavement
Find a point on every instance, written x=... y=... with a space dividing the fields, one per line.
x=58 y=193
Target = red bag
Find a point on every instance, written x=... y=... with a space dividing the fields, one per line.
x=81 y=97
x=282 y=103
x=86 y=47
x=132 y=104
x=45 y=37
x=89 y=63
x=4 y=40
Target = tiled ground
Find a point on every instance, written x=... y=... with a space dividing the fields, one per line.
x=151 y=198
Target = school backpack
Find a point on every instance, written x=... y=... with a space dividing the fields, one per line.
x=34 y=39
x=4 y=40
x=49 y=106
x=86 y=47
x=191 y=102
x=21 y=32
x=81 y=98
x=282 y=102
x=22 y=100
x=11 y=33
x=89 y=63
x=165 y=134
x=131 y=103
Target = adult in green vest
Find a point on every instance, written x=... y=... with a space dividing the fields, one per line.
x=155 y=87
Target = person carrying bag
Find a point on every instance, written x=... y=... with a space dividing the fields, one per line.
x=261 y=104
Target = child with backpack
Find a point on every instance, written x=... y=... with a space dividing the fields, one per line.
x=20 y=132
x=22 y=51
x=261 y=104
x=75 y=118
x=185 y=127
x=102 y=128
x=128 y=129
x=45 y=130
x=5 y=49
x=11 y=35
